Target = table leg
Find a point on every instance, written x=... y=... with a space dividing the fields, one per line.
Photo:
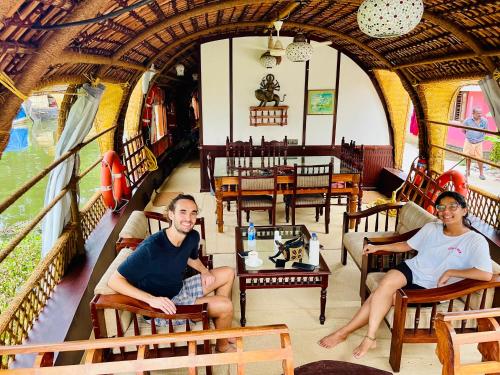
x=220 y=209
x=243 y=303
x=353 y=203
x=323 y=306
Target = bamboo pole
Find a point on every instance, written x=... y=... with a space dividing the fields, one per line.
x=75 y=212
x=86 y=171
x=467 y=156
x=28 y=228
x=463 y=127
x=23 y=189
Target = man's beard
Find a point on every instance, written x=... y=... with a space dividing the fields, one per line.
x=179 y=228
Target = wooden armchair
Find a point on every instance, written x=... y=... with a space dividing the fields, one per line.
x=257 y=190
x=273 y=153
x=412 y=318
x=487 y=338
x=311 y=188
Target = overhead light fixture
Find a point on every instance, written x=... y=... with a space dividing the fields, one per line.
x=179 y=68
x=389 y=18
x=299 y=50
x=277 y=49
x=267 y=60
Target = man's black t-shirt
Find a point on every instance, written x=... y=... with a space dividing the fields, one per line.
x=157 y=266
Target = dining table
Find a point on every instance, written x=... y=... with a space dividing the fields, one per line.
x=345 y=178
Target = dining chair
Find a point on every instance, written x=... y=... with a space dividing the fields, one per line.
x=312 y=187
x=351 y=159
x=257 y=189
x=239 y=153
x=273 y=152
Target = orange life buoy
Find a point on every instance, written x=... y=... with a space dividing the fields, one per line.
x=114 y=185
x=459 y=183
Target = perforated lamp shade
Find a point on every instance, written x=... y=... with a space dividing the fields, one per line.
x=267 y=60
x=299 y=50
x=179 y=69
x=389 y=18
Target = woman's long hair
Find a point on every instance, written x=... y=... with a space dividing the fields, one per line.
x=460 y=199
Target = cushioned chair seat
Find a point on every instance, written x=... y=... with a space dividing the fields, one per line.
x=309 y=199
x=264 y=201
x=353 y=242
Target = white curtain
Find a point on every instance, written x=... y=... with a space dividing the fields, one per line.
x=78 y=125
x=491 y=90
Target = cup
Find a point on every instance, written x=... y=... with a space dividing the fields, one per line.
x=253 y=256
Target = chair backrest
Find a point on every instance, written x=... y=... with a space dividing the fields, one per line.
x=309 y=179
x=352 y=156
x=239 y=153
x=257 y=181
x=273 y=152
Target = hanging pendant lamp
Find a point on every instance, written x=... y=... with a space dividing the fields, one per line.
x=179 y=69
x=299 y=50
x=267 y=60
x=389 y=18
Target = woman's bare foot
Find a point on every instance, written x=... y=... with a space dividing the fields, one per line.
x=332 y=340
x=367 y=344
x=227 y=348
x=231 y=340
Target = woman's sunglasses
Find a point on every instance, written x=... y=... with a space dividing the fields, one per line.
x=451 y=207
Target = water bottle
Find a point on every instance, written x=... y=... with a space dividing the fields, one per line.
x=277 y=237
x=251 y=237
x=314 y=250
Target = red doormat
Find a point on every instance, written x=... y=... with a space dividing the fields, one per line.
x=337 y=368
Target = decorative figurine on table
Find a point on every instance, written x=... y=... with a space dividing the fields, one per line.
x=266 y=94
x=291 y=250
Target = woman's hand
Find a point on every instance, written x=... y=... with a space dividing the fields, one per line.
x=444 y=278
x=369 y=248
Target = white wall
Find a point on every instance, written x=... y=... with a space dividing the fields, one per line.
x=215 y=91
x=360 y=113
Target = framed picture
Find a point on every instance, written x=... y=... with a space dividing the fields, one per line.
x=320 y=102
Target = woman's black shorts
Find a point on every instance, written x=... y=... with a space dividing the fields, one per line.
x=405 y=270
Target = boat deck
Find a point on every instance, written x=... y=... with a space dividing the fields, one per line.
x=299 y=308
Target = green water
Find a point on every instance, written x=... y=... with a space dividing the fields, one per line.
x=18 y=167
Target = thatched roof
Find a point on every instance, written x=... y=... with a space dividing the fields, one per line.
x=455 y=39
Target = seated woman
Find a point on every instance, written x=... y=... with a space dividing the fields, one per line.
x=448 y=250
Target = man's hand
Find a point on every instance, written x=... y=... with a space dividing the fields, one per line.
x=444 y=279
x=207 y=278
x=369 y=248
x=162 y=303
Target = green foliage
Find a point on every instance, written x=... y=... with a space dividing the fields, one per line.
x=19 y=265
x=495 y=151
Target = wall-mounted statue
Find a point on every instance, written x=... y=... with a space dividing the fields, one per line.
x=266 y=94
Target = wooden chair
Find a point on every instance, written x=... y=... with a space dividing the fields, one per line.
x=311 y=188
x=273 y=153
x=351 y=158
x=257 y=190
x=487 y=338
x=114 y=314
x=412 y=318
x=239 y=153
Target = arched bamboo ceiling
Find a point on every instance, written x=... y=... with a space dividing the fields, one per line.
x=455 y=39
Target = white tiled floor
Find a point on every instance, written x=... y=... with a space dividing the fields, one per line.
x=299 y=308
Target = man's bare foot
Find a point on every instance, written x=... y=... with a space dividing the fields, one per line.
x=367 y=344
x=228 y=348
x=332 y=340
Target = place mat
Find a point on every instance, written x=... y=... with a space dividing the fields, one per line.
x=163 y=198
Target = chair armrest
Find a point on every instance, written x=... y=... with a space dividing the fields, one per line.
x=471 y=314
x=122 y=302
x=155 y=216
x=131 y=243
x=452 y=291
x=373 y=210
x=392 y=239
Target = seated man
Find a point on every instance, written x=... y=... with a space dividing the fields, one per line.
x=153 y=273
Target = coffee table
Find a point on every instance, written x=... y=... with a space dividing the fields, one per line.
x=267 y=276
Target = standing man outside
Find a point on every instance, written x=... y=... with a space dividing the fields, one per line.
x=473 y=145
x=153 y=273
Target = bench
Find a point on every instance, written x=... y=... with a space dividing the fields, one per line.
x=94 y=360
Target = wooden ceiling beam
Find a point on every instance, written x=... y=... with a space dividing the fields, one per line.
x=68 y=57
x=461 y=56
x=287 y=25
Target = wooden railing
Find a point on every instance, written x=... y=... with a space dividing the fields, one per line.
x=24 y=309
x=26 y=306
x=135 y=159
x=95 y=359
x=484 y=206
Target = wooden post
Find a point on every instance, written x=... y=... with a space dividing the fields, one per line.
x=75 y=211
